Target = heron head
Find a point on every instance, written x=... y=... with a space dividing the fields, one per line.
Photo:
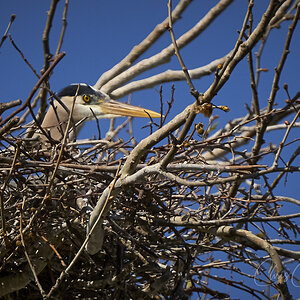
x=89 y=103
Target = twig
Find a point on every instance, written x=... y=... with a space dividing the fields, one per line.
x=161 y=106
x=279 y=17
x=63 y=143
x=255 y=102
x=23 y=57
x=170 y=155
x=204 y=224
x=47 y=58
x=281 y=174
x=26 y=254
x=113 y=133
x=170 y=104
x=278 y=70
x=4 y=37
x=45 y=38
x=232 y=60
x=188 y=123
x=64 y=21
x=184 y=69
x=97 y=122
x=281 y=144
x=283 y=58
x=42 y=130
x=6 y=181
x=26 y=113
x=55 y=251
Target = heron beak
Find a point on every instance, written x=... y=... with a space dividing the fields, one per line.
x=122 y=109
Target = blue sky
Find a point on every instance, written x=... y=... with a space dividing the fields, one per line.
x=100 y=33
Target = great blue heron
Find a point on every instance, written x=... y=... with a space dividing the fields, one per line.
x=89 y=103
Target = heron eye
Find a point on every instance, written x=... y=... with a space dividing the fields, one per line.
x=86 y=98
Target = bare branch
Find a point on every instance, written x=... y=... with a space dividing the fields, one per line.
x=138 y=50
x=167 y=76
x=4 y=37
x=166 y=54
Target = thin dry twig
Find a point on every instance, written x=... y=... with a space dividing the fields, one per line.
x=26 y=253
x=183 y=67
x=23 y=57
x=63 y=30
x=4 y=37
x=7 y=179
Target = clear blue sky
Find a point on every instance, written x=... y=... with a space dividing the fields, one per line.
x=100 y=33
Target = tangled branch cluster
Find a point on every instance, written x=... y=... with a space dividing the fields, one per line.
x=160 y=231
